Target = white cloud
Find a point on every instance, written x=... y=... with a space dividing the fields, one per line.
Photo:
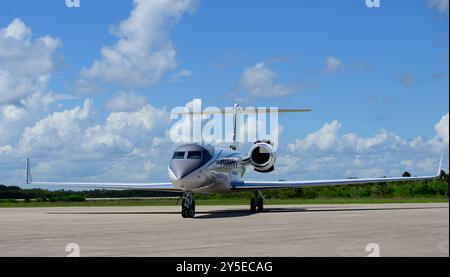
x=332 y=65
x=13 y=113
x=328 y=154
x=144 y=51
x=442 y=129
x=15 y=118
x=73 y=143
x=26 y=67
x=328 y=138
x=439 y=5
x=25 y=64
x=261 y=82
x=126 y=102
x=16 y=30
x=57 y=132
x=6 y=149
x=181 y=75
x=323 y=139
x=74 y=130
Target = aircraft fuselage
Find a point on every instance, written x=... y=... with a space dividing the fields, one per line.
x=205 y=169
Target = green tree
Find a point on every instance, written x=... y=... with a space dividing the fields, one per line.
x=443 y=176
x=406 y=174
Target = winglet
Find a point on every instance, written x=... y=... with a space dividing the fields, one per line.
x=29 y=178
x=440 y=165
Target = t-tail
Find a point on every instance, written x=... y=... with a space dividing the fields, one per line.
x=29 y=178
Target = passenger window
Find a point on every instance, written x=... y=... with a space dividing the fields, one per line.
x=195 y=155
x=178 y=155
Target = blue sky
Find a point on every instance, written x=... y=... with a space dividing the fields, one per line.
x=366 y=69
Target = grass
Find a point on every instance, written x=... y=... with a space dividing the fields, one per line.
x=225 y=201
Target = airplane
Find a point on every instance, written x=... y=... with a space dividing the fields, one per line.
x=208 y=169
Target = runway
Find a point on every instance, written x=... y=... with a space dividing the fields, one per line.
x=306 y=230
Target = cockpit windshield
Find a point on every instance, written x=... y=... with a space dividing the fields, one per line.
x=194 y=155
x=179 y=155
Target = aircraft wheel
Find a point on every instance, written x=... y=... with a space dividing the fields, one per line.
x=191 y=213
x=191 y=210
x=188 y=212
x=260 y=205
x=253 y=205
x=184 y=213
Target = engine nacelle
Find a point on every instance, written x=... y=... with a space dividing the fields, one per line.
x=262 y=157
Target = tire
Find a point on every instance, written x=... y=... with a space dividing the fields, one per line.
x=188 y=212
x=253 y=205
x=260 y=205
x=191 y=213
x=184 y=213
x=192 y=209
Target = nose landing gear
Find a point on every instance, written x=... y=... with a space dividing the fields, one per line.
x=257 y=203
x=188 y=205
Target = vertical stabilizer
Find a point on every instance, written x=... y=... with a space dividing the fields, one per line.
x=29 y=178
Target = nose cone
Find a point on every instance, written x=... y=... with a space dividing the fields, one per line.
x=182 y=168
x=188 y=158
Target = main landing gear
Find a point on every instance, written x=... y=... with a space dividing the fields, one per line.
x=257 y=203
x=187 y=205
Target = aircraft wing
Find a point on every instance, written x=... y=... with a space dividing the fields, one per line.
x=164 y=187
x=271 y=185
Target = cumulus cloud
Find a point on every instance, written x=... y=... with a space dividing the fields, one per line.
x=329 y=139
x=144 y=51
x=58 y=131
x=332 y=65
x=26 y=64
x=327 y=153
x=126 y=102
x=75 y=130
x=73 y=143
x=26 y=67
x=442 y=129
x=261 y=82
x=439 y=5
x=181 y=75
x=6 y=149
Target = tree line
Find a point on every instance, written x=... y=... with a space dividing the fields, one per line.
x=426 y=188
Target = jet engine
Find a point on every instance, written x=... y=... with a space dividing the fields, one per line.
x=262 y=157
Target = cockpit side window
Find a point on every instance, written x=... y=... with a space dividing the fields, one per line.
x=195 y=155
x=179 y=155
